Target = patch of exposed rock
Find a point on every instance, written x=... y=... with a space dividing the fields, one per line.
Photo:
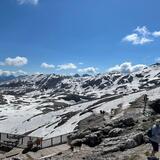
x=2 y=100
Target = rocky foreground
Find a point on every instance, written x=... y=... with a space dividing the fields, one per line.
x=122 y=137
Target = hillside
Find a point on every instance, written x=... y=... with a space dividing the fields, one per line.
x=50 y=105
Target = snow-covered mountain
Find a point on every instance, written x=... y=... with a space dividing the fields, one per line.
x=95 y=86
x=49 y=105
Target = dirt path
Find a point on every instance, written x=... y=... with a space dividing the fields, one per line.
x=39 y=155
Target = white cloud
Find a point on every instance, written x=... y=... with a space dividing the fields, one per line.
x=136 y=39
x=34 y=2
x=21 y=72
x=91 y=70
x=15 y=73
x=127 y=67
x=142 y=36
x=142 y=30
x=67 y=66
x=138 y=67
x=17 y=61
x=47 y=66
x=156 y=33
x=6 y=73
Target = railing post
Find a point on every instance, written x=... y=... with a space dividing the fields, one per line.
x=61 y=139
x=51 y=141
x=41 y=144
x=22 y=141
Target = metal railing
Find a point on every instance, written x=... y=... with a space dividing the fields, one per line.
x=61 y=139
x=20 y=141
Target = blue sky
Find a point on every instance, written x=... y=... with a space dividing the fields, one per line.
x=77 y=36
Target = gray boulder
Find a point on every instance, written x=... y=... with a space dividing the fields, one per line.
x=115 y=132
x=130 y=143
x=106 y=130
x=125 y=122
x=138 y=138
x=92 y=140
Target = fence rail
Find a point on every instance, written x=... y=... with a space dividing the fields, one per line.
x=20 y=141
x=61 y=139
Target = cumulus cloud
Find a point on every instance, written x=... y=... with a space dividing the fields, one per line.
x=9 y=73
x=138 y=67
x=156 y=34
x=17 y=61
x=6 y=73
x=141 y=35
x=91 y=70
x=66 y=66
x=136 y=39
x=127 y=67
x=142 y=30
x=47 y=66
x=21 y=72
x=34 y=2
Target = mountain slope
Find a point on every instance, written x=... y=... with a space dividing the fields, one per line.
x=50 y=105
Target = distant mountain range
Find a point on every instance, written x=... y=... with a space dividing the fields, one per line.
x=92 y=86
x=6 y=78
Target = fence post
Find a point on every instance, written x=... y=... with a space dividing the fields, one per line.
x=61 y=139
x=22 y=141
x=51 y=141
x=41 y=144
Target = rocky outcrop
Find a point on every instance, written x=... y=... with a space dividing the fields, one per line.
x=155 y=105
x=125 y=79
x=122 y=143
x=124 y=122
x=112 y=135
x=75 y=143
x=115 y=132
x=88 y=138
x=92 y=140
